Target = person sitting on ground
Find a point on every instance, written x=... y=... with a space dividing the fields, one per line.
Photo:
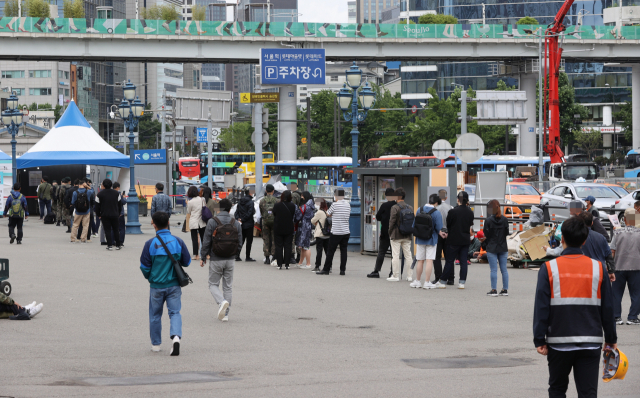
x=14 y=311
x=474 y=247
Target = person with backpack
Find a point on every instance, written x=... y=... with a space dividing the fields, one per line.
x=283 y=230
x=108 y=208
x=496 y=230
x=158 y=268
x=426 y=228
x=400 y=232
x=16 y=209
x=44 y=196
x=339 y=212
x=319 y=220
x=244 y=214
x=266 y=213
x=305 y=229
x=68 y=197
x=222 y=240
x=62 y=210
x=383 y=215
x=81 y=202
x=54 y=199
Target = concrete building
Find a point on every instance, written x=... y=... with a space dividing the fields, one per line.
x=370 y=11
x=37 y=82
x=352 y=11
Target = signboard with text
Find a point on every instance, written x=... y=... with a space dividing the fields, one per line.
x=292 y=66
x=202 y=135
x=150 y=156
x=255 y=98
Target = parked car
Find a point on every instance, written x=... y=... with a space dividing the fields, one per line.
x=562 y=194
x=523 y=194
x=618 y=189
x=626 y=202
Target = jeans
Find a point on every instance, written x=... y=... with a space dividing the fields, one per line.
x=43 y=203
x=397 y=246
x=111 y=231
x=283 y=243
x=453 y=252
x=221 y=270
x=13 y=223
x=624 y=278
x=494 y=258
x=383 y=247
x=334 y=242
x=322 y=245
x=157 y=298
x=586 y=371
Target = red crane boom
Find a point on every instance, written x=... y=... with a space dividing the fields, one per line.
x=553 y=56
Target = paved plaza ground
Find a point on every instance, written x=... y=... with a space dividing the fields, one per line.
x=290 y=333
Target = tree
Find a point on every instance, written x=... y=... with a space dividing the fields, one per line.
x=163 y=12
x=404 y=22
x=73 y=8
x=589 y=140
x=199 y=13
x=623 y=118
x=11 y=8
x=527 y=21
x=238 y=137
x=38 y=9
x=437 y=19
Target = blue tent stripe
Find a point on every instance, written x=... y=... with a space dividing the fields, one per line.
x=72 y=117
x=55 y=158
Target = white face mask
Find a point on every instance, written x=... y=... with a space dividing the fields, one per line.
x=471 y=238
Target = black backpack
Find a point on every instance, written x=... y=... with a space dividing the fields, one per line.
x=82 y=202
x=54 y=193
x=224 y=241
x=424 y=224
x=68 y=196
x=326 y=228
x=405 y=220
x=50 y=219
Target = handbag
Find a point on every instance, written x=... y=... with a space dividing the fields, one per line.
x=185 y=226
x=206 y=213
x=183 y=277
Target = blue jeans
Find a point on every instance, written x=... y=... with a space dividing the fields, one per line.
x=45 y=203
x=494 y=258
x=157 y=297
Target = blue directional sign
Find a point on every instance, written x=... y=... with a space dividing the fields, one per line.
x=150 y=156
x=202 y=135
x=292 y=66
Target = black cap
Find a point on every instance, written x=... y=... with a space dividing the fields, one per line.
x=389 y=192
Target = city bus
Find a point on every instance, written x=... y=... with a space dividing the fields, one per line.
x=320 y=170
x=189 y=169
x=404 y=161
x=224 y=163
x=632 y=164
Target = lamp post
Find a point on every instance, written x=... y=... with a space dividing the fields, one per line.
x=349 y=98
x=130 y=110
x=12 y=118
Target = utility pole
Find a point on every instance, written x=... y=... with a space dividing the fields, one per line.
x=309 y=127
x=164 y=121
x=257 y=125
x=335 y=127
x=463 y=114
x=209 y=150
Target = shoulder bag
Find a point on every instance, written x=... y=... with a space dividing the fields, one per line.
x=181 y=275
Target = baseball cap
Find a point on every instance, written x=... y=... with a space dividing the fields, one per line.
x=591 y=199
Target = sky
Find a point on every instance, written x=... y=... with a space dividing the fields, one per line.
x=332 y=11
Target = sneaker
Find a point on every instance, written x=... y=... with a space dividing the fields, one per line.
x=429 y=285
x=28 y=306
x=316 y=269
x=274 y=263
x=94 y=234
x=226 y=316
x=309 y=34
x=415 y=284
x=409 y=279
x=340 y=34
x=35 y=310
x=392 y=279
x=109 y=247
x=266 y=260
x=619 y=321
x=175 y=348
x=439 y=285
x=493 y=293
x=118 y=247
x=287 y=32
x=155 y=348
x=503 y=292
x=222 y=309
x=305 y=267
x=131 y=31
x=249 y=260
x=92 y=30
x=149 y=30
x=633 y=321
x=460 y=285
x=238 y=259
x=374 y=274
x=13 y=238
x=19 y=242
x=323 y=31
x=450 y=283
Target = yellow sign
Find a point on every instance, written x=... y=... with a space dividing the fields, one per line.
x=247 y=98
x=304 y=140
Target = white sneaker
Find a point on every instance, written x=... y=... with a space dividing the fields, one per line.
x=415 y=284
x=175 y=347
x=91 y=30
x=226 y=316
x=409 y=279
x=460 y=285
x=155 y=348
x=392 y=279
x=149 y=30
x=306 y=267
x=274 y=263
x=35 y=310
x=340 y=34
x=222 y=310
x=29 y=306
x=429 y=285
x=439 y=285
x=323 y=31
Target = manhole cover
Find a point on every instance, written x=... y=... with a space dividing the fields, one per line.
x=467 y=362
x=188 y=377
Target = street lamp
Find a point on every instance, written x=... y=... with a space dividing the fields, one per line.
x=129 y=111
x=613 y=107
x=12 y=118
x=349 y=99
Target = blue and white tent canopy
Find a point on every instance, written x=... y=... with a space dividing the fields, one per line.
x=72 y=141
x=4 y=156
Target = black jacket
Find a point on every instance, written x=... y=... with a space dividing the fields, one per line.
x=108 y=203
x=283 y=213
x=245 y=211
x=459 y=222
x=496 y=231
x=383 y=215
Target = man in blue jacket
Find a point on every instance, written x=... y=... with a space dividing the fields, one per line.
x=426 y=247
x=157 y=267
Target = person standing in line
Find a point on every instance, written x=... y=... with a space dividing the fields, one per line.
x=244 y=214
x=443 y=207
x=64 y=212
x=339 y=213
x=196 y=224
x=16 y=209
x=383 y=215
x=108 y=209
x=296 y=199
x=305 y=229
x=157 y=268
x=221 y=267
x=496 y=230
x=625 y=248
x=54 y=199
x=283 y=213
x=122 y=226
x=573 y=306
x=399 y=242
x=161 y=201
x=81 y=202
x=459 y=223
x=322 y=240
x=44 y=196
x=266 y=213
x=427 y=226
x=597 y=248
x=68 y=199
x=92 y=222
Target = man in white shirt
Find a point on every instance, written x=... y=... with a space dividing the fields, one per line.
x=339 y=213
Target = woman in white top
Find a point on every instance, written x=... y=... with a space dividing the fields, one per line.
x=322 y=241
x=196 y=224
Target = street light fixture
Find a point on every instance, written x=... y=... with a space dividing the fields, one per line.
x=130 y=111
x=12 y=118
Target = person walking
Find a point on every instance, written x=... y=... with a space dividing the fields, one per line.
x=222 y=239
x=108 y=209
x=401 y=215
x=573 y=306
x=459 y=223
x=283 y=213
x=427 y=226
x=266 y=214
x=81 y=202
x=212 y=205
x=383 y=215
x=339 y=213
x=44 y=196
x=443 y=207
x=161 y=201
x=625 y=247
x=496 y=230
x=322 y=240
x=157 y=268
x=196 y=223
x=244 y=214
x=16 y=209
x=305 y=229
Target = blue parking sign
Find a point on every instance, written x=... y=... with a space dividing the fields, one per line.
x=202 y=135
x=292 y=66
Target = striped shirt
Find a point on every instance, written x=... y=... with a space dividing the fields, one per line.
x=339 y=212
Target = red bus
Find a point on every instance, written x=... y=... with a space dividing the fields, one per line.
x=405 y=161
x=189 y=169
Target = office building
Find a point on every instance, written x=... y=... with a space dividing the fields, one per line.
x=352 y=13
x=37 y=82
x=370 y=11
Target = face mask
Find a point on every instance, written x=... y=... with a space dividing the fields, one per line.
x=471 y=238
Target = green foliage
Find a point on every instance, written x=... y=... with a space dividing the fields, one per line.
x=437 y=19
x=11 y=8
x=527 y=21
x=38 y=9
x=237 y=136
x=199 y=13
x=73 y=8
x=162 y=12
x=57 y=112
x=623 y=118
x=601 y=160
x=404 y=22
x=588 y=141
